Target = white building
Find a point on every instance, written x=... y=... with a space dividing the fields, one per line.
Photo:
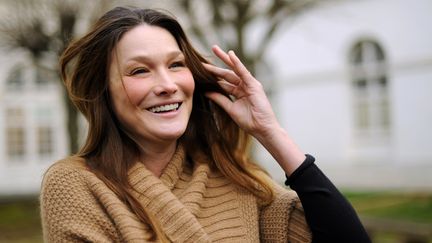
x=32 y=129
x=352 y=85
x=354 y=88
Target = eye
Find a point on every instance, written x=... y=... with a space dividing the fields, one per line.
x=177 y=64
x=138 y=71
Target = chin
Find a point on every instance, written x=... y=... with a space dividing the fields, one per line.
x=173 y=135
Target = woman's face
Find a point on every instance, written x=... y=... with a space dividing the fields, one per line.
x=150 y=86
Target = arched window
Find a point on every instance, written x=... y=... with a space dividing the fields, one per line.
x=370 y=89
x=24 y=76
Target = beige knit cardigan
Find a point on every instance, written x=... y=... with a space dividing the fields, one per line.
x=192 y=202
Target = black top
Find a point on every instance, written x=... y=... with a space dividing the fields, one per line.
x=329 y=215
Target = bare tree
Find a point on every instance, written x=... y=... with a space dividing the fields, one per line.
x=228 y=22
x=43 y=28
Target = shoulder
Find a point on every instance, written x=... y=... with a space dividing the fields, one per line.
x=285 y=194
x=69 y=206
x=64 y=176
x=64 y=187
x=66 y=192
x=283 y=219
x=68 y=167
x=281 y=193
x=69 y=164
x=283 y=197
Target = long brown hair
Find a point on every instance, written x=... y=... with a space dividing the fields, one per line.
x=109 y=151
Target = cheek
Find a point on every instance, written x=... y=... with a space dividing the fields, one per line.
x=135 y=91
x=118 y=97
x=121 y=98
x=188 y=83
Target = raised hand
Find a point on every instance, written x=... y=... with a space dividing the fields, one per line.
x=250 y=108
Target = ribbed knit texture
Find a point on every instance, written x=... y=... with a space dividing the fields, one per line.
x=191 y=202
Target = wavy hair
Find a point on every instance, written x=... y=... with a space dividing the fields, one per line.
x=109 y=151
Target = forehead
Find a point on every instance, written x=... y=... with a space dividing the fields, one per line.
x=146 y=40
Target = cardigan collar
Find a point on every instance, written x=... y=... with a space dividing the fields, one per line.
x=171 y=173
x=155 y=196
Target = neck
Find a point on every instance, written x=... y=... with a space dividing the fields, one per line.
x=156 y=157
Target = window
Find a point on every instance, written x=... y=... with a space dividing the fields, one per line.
x=45 y=141
x=44 y=132
x=370 y=89
x=27 y=76
x=15 y=80
x=42 y=76
x=15 y=133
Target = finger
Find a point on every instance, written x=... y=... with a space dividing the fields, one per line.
x=222 y=55
x=229 y=88
x=221 y=100
x=226 y=74
x=239 y=68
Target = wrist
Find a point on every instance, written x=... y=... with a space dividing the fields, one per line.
x=269 y=133
x=283 y=149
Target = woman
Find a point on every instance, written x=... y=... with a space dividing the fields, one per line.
x=165 y=158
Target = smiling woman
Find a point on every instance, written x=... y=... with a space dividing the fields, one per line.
x=166 y=158
x=151 y=90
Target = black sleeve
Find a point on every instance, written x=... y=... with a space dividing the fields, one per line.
x=329 y=215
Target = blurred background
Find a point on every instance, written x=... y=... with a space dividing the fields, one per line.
x=350 y=80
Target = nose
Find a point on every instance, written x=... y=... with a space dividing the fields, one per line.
x=165 y=84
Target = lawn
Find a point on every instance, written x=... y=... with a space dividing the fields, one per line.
x=20 y=221
x=395 y=216
x=412 y=207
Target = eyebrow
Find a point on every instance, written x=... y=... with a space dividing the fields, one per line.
x=145 y=58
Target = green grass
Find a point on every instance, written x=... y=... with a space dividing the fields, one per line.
x=412 y=207
x=409 y=211
x=20 y=220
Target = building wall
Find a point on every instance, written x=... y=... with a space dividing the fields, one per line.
x=314 y=98
x=40 y=107
x=412 y=99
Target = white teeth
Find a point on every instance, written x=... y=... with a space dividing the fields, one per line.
x=164 y=108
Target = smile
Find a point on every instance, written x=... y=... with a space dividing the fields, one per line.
x=164 y=108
